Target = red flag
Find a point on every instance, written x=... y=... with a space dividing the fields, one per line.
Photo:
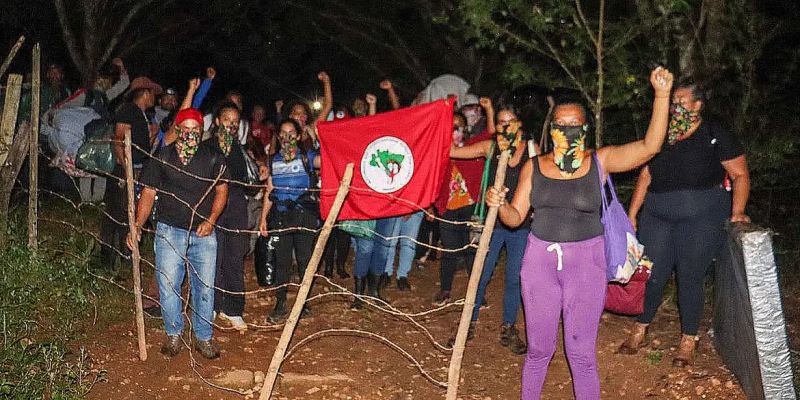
x=399 y=156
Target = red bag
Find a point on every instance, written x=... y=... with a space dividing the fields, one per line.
x=628 y=298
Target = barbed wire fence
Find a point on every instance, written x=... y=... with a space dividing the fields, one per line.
x=282 y=351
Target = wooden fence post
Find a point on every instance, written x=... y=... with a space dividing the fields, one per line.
x=305 y=286
x=10 y=159
x=33 y=155
x=454 y=372
x=11 y=55
x=135 y=256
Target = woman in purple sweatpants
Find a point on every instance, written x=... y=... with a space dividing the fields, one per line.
x=563 y=269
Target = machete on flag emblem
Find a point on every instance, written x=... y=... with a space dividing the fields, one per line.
x=400 y=158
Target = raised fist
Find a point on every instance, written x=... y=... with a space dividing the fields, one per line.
x=194 y=83
x=323 y=76
x=278 y=105
x=371 y=99
x=661 y=79
x=485 y=102
x=211 y=73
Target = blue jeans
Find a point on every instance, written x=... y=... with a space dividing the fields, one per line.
x=170 y=245
x=515 y=242
x=408 y=227
x=371 y=253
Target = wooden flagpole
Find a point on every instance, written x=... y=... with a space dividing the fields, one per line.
x=454 y=372
x=305 y=286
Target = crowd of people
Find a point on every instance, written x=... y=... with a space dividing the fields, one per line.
x=198 y=177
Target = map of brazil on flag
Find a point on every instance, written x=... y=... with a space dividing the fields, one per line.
x=399 y=158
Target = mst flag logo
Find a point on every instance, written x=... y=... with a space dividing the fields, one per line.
x=387 y=164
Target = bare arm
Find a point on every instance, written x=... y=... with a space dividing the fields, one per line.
x=194 y=83
x=475 y=150
x=514 y=214
x=220 y=200
x=639 y=193
x=123 y=82
x=488 y=109
x=393 y=98
x=629 y=156
x=266 y=206
x=143 y=208
x=327 y=102
x=737 y=170
x=372 y=101
x=120 y=130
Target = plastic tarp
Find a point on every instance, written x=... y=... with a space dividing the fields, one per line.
x=749 y=327
x=443 y=86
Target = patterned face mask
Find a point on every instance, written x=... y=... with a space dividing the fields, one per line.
x=225 y=136
x=507 y=136
x=187 y=144
x=569 y=146
x=288 y=148
x=680 y=121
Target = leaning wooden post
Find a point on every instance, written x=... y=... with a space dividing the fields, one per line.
x=454 y=372
x=33 y=155
x=135 y=257
x=12 y=153
x=305 y=286
x=11 y=55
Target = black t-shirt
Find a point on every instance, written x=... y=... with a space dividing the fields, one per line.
x=166 y=179
x=132 y=115
x=694 y=163
x=235 y=214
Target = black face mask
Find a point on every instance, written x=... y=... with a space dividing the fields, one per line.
x=569 y=146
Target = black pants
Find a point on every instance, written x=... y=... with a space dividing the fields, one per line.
x=338 y=248
x=114 y=229
x=231 y=249
x=299 y=242
x=455 y=236
x=682 y=231
x=428 y=234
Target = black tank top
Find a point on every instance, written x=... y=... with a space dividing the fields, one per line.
x=566 y=210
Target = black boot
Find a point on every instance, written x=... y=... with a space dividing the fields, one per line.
x=328 y=270
x=360 y=283
x=384 y=280
x=342 y=272
x=279 y=313
x=374 y=286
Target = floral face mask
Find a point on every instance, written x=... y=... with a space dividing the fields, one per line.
x=187 y=144
x=225 y=136
x=680 y=121
x=288 y=148
x=508 y=136
x=458 y=135
x=569 y=147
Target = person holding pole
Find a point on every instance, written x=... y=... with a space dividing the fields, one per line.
x=189 y=177
x=509 y=135
x=564 y=268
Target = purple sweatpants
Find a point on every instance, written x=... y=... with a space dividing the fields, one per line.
x=568 y=278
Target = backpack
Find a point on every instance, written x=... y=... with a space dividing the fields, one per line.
x=96 y=154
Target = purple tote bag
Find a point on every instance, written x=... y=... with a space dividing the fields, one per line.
x=618 y=233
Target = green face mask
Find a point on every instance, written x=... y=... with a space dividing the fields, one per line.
x=225 y=137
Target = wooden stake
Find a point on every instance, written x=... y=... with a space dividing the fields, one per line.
x=454 y=372
x=10 y=109
x=305 y=286
x=135 y=257
x=33 y=155
x=11 y=55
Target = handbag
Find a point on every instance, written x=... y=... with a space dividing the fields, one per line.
x=253 y=178
x=623 y=250
x=359 y=228
x=628 y=298
x=96 y=153
x=265 y=260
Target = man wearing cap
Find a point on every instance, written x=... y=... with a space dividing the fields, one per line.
x=131 y=118
x=183 y=172
x=167 y=103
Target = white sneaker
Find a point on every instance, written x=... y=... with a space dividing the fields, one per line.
x=236 y=321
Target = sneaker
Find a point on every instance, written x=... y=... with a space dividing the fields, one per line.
x=509 y=337
x=172 y=346
x=402 y=284
x=153 y=311
x=237 y=322
x=442 y=298
x=206 y=348
x=470 y=334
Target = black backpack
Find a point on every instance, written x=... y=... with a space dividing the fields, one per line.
x=98 y=101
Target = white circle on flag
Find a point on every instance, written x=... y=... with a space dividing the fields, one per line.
x=387 y=164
